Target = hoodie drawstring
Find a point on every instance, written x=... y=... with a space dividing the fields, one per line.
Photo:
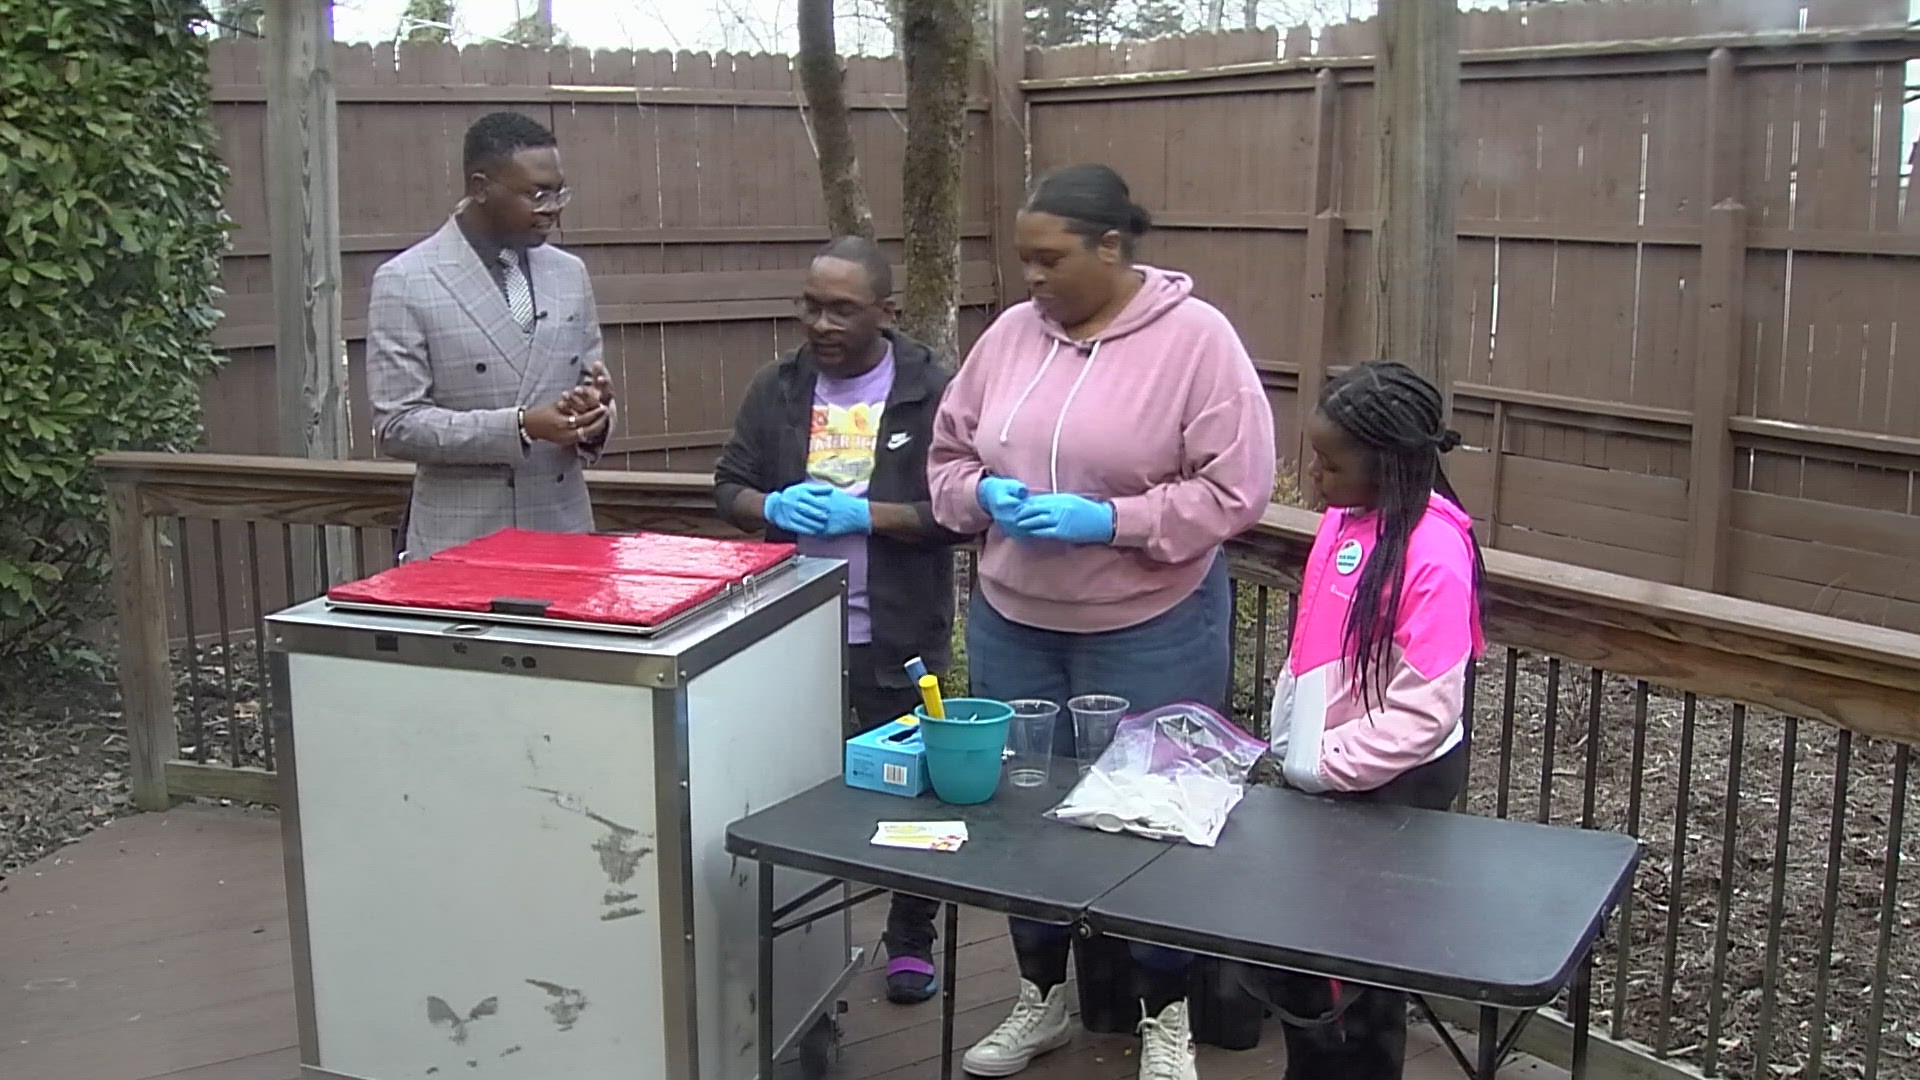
x=1053 y=454
x=1028 y=392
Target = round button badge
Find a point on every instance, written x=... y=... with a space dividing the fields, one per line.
x=1347 y=559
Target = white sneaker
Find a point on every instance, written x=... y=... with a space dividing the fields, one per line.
x=1038 y=1024
x=1166 y=1046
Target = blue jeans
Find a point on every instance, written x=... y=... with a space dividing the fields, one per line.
x=1181 y=655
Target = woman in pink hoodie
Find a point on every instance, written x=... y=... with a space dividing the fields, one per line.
x=1368 y=705
x=1108 y=436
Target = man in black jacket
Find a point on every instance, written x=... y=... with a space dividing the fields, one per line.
x=830 y=451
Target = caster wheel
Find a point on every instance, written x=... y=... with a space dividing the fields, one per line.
x=818 y=1048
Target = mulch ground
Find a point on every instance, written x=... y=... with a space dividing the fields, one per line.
x=63 y=763
x=63 y=749
x=63 y=768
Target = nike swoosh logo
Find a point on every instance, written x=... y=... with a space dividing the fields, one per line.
x=898 y=440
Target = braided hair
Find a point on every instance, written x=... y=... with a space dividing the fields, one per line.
x=1399 y=418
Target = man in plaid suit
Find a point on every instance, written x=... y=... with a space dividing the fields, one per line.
x=483 y=354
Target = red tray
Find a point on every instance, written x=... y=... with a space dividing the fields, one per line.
x=634 y=600
x=642 y=553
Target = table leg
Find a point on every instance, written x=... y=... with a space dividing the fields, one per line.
x=1582 y=1014
x=949 y=989
x=1489 y=1043
x=763 y=995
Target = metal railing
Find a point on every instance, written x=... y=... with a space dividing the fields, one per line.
x=1761 y=755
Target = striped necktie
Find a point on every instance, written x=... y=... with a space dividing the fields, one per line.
x=519 y=294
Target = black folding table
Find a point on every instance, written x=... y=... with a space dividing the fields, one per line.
x=1015 y=861
x=1500 y=913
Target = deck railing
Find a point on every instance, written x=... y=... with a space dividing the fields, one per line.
x=1761 y=755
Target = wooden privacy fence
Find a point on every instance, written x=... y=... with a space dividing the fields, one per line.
x=1685 y=348
x=1686 y=268
x=696 y=208
x=1685 y=342
x=1738 y=741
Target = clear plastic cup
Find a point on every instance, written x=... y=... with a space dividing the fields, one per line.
x=1095 y=716
x=1030 y=741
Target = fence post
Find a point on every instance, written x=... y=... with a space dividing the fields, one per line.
x=146 y=667
x=1716 y=377
x=303 y=193
x=1011 y=144
x=1326 y=244
x=1416 y=94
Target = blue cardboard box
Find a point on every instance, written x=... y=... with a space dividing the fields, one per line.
x=890 y=759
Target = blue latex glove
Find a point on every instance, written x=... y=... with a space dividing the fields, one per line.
x=1072 y=519
x=1002 y=498
x=800 y=509
x=847 y=515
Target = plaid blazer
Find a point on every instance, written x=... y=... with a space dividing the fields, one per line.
x=448 y=370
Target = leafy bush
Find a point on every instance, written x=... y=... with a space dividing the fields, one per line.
x=109 y=254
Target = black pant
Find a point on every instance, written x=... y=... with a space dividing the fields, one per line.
x=910 y=920
x=1367 y=1039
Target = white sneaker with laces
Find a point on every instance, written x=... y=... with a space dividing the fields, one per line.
x=1038 y=1024
x=1166 y=1046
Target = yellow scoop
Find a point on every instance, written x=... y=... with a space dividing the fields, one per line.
x=930 y=697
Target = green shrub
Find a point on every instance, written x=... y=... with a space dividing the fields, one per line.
x=109 y=254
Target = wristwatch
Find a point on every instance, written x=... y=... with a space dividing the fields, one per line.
x=526 y=440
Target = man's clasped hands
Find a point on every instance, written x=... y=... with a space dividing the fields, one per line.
x=580 y=416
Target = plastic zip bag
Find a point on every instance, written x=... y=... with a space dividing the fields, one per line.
x=1174 y=773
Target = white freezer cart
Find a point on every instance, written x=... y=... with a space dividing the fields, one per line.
x=504 y=837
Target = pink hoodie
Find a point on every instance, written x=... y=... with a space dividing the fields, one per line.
x=1161 y=414
x=1326 y=737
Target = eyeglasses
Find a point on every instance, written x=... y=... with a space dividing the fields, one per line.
x=841 y=313
x=547 y=201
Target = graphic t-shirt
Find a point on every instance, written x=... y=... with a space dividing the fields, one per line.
x=841 y=443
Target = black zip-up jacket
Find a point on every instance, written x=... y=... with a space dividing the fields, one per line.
x=909 y=582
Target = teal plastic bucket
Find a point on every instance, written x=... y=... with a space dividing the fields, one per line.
x=964 y=750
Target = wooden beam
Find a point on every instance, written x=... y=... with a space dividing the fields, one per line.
x=529 y=95
x=1326 y=246
x=198 y=780
x=1640 y=56
x=303 y=192
x=145 y=665
x=1416 y=109
x=303 y=209
x=242 y=335
x=575 y=239
x=1716 y=373
x=1771 y=238
x=1008 y=143
x=1497 y=446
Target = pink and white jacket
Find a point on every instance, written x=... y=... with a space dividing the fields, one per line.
x=1325 y=735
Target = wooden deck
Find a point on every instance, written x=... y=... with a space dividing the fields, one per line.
x=157 y=949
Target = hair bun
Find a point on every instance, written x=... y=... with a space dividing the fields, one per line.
x=1138 y=219
x=1448 y=441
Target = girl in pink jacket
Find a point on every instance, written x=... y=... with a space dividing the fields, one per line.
x=1369 y=703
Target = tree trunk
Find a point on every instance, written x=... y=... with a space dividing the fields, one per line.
x=938 y=48
x=1216 y=15
x=1416 y=105
x=1251 y=14
x=824 y=81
